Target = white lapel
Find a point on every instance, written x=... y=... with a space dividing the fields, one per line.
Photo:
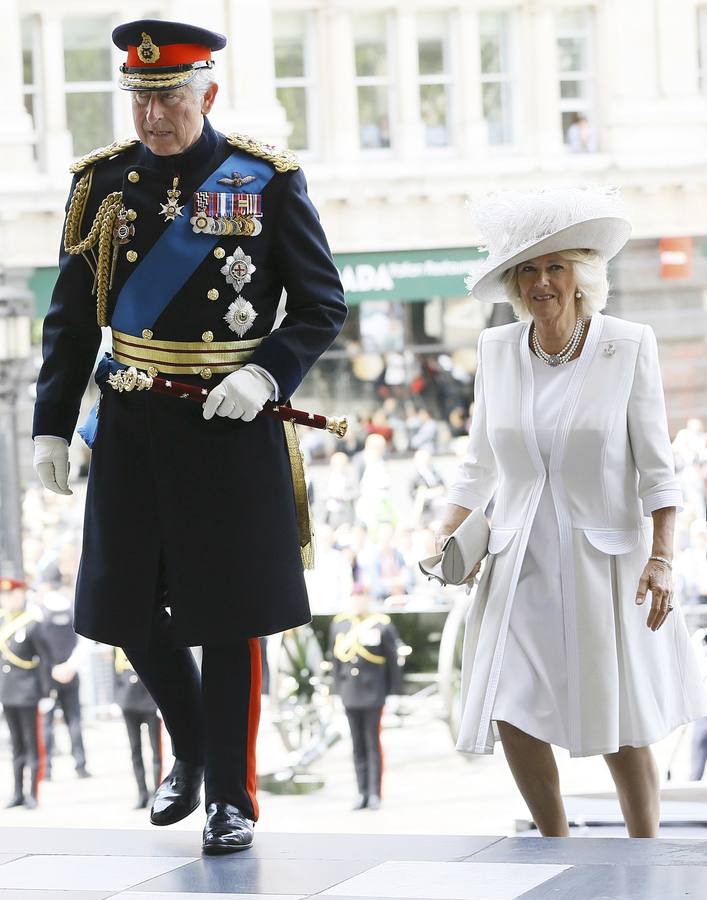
x=564 y=419
x=526 y=401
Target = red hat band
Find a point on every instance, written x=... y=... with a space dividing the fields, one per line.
x=167 y=55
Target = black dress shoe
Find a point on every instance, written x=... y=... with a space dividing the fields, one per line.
x=31 y=802
x=361 y=802
x=142 y=801
x=82 y=772
x=374 y=802
x=227 y=829
x=178 y=795
x=17 y=800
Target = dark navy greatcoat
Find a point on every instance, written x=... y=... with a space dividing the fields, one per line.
x=129 y=692
x=364 y=652
x=197 y=513
x=20 y=686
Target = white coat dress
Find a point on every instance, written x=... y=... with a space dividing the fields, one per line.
x=613 y=682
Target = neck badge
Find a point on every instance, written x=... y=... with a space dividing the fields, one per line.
x=171 y=209
x=225 y=213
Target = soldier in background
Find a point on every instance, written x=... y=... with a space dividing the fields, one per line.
x=66 y=653
x=25 y=684
x=366 y=654
x=138 y=709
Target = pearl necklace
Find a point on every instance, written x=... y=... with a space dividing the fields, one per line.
x=567 y=352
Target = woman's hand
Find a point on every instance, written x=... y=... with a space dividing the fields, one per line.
x=656 y=578
x=451 y=520
x=453 y=517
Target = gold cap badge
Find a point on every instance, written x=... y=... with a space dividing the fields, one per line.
x=147 y=51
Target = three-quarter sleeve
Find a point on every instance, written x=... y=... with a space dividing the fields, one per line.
x=648 y=431
x=477 y=476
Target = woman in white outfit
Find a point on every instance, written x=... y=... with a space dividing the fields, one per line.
x=570 y=455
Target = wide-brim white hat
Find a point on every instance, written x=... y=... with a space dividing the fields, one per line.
x=521 y=225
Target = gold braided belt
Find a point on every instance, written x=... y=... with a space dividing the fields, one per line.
x=204 y=358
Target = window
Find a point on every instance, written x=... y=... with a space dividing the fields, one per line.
x=497 y=76
x=434 y=78
x=293 y=75
x=702 y=48
x=576 y=67
x=30 y=75
x=373 y=85
x=89 y=82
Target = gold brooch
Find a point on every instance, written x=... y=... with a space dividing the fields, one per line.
x=147 y=51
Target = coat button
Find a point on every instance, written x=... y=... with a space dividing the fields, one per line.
x=354 y=671
x=133 y=679
x=206 y=373
x=6 y=669
x=212 y=294
x=131 y=256
x=219 y=253
x=134 y=176
x=131 y=214
x=207 y=337
x=147 y=334
x=153 y=371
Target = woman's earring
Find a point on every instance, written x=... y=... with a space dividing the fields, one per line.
x=578 y=295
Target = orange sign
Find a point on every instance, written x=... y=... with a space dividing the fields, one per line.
x=675 y=258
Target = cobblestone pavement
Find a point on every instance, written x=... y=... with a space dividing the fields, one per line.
x=428 y=787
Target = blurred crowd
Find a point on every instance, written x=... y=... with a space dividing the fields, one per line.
x=377 y=498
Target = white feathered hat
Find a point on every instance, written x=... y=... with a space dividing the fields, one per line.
x=521 y=225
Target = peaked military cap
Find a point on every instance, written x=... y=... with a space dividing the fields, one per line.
x=163 y=55
x=11 y=584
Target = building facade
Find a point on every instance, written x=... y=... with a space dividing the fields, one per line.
x=403 y=112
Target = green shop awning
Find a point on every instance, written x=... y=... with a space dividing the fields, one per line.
x=405 y=274
x=41 y=283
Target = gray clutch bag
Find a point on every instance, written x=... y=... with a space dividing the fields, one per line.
x=461 y=552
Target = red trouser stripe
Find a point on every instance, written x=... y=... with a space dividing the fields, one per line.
x=41 y=750
x=256 y=678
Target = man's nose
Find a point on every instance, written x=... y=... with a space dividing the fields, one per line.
x=153 y=110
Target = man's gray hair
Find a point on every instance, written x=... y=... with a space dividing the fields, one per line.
x=201 y=82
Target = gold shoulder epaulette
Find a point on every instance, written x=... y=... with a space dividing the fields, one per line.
x=343 y=617
x=102 y=153
x=380 y=617
x=281 y=160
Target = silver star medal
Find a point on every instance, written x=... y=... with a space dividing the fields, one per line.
x=171 y=209
x=240 y=316
x=238 y=269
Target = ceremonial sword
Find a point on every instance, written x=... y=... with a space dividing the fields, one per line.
x=132 y=379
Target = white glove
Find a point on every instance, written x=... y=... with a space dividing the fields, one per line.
x=45 y=705
x=51 y=463
x=241 y=395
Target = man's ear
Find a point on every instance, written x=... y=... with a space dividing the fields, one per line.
x=208 y=99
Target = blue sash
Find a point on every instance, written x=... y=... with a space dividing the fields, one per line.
x=178 y=252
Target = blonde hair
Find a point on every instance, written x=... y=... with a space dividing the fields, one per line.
x=590 y=271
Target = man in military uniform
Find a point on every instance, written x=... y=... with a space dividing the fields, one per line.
x=138 y=709
x=364 y=647
x=183 y=242
x=24 y=687
x=66 y=652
